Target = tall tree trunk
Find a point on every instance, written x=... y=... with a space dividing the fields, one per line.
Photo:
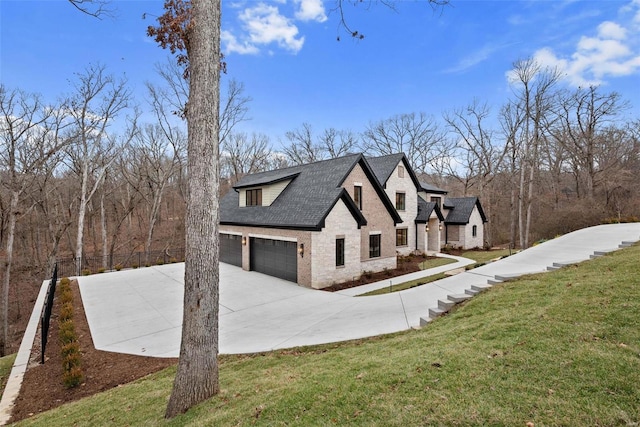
x=4 y=306
x=82 y=210
x=197 y=373
x=103 y=229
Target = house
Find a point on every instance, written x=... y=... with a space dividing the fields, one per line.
x=328 y=222
x=464 y=222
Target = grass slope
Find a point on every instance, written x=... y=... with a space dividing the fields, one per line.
x=561 y=348
x=6 y=363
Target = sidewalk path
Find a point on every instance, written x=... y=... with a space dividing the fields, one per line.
x=140 y=311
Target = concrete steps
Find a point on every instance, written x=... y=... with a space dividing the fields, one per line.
x=444 y=306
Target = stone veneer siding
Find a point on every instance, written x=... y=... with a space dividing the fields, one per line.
x=324 y=272
x=396 y=184
x=378 y=220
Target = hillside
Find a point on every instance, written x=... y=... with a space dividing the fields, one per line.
x=561 y=348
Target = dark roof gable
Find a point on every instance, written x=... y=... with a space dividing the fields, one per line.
x=305 y=203
x=425 y=209
x=461 y=209
x=384 y=166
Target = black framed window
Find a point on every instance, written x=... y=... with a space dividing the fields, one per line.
x=374 y=245
x=401 y=201
x=254 y=197
x=340 y=252
x=357 y=196
x=474 y=231
x=401 y=237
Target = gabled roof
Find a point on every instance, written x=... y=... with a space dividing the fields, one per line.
x=384 y=166
x=431 y=189
x=461 y=209
x=304 y=204
x=425 y=209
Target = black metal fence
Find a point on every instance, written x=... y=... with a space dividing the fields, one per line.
x=46 y=313
x=100 y=264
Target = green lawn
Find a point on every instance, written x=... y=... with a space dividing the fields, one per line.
x=482 y=257
x=6 y=363
x=435 y=262
x=560 y=348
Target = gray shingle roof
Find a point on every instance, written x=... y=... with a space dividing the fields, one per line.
x=384 y=166
x=461 y=209
x=305 y=202
x=432 y=189
x=425 y=209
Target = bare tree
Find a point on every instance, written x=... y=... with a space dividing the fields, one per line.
x=419 y=136
x=583 y=114
x=97 y=100
x=243 y=154
x=302 y=148
x=475 y=140
x=29 y=138
x=534 y=86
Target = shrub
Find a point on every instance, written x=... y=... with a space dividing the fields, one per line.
x=101 y=270
x=159 y=262
x=86 y=272
x=66 y=312
x=70 y=348
x=173 y=260
x=134 y=265
x=73 y=377
x=67 y=332
x=118 y=267
x=65 y=281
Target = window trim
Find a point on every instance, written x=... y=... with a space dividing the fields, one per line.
x=406 y=237
x=400 y=171
x=404 y=201
x=340 y=249
x=250 y=195
x=474 y=231
x=357 y=195
x=373 y=253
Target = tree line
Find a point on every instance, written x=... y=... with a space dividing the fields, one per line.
x=85 y=175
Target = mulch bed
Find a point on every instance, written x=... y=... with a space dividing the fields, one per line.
x=42 y=388
x=406 y=264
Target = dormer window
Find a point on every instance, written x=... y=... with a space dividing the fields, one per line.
x=254 y=197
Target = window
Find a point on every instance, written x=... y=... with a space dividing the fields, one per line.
x=401 y=237
x=254 y=197
x=374 y=245
x=357 y=196
x=340 y=252
x=400 y=201
x=438 y=201
x=400 y=172
x=474 y=231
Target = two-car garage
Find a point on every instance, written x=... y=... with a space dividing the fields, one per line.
x=276 y=258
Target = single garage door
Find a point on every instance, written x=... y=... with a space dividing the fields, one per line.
x=275 y=258
x=231 y=249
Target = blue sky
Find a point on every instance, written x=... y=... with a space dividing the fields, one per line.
x=285 y=52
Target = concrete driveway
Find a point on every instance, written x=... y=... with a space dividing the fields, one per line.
x=140 y=311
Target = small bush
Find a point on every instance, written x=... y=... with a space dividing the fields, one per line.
x=159 y=262
x=67 y=332
x=86 y=272
x=118 y=267
x=66 y=312
x=71 y=360
x=134 y=266
x=65 y=281
x=73 y=377
x=173 y=260
x=70 y=348
x=101 y=270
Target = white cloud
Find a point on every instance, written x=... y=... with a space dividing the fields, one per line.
x=262 y=25
x=613 y=52
x=611 y=30
x=310 y=10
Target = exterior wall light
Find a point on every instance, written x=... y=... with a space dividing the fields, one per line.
x=244 y=241
x=301 y=250
x=440 y=227
x=426 y=228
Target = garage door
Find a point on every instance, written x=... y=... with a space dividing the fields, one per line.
x=231 y=249
x=275 y=258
